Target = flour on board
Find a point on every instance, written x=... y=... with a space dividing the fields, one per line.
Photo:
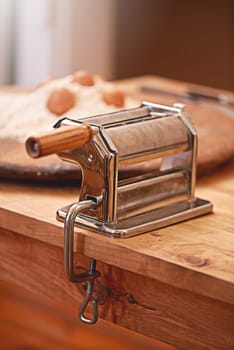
x=25 y=114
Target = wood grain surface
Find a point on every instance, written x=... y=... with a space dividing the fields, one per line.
x=29 y=321
x=175 y=284
x=195 y=255
x=213 y=121
x=170 y=314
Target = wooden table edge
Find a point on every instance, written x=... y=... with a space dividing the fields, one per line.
x=103 y=249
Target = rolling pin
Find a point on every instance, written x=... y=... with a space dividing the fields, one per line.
x=59 y=140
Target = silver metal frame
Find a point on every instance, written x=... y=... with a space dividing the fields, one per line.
x=139 y=204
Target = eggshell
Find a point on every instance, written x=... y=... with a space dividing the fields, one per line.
x=60 y=101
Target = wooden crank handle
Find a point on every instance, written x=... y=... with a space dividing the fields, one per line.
x=59 y=140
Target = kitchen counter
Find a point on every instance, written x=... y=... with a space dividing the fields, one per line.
x=175 y=284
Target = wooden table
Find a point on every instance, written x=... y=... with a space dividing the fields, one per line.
x=175 y=284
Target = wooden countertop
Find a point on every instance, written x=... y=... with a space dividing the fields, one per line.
x=196 y=255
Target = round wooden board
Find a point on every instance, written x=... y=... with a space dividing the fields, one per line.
x=15 y=163
x=215 y=134
x=214 y=124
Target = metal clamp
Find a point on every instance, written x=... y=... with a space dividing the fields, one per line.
x=89 y=297
x=89 y=275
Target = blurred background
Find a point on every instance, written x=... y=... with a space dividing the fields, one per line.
x=184 y=40
x=190 y=41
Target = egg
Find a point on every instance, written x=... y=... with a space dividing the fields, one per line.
x=113 y=97
x=60 y=101
x=83 y=77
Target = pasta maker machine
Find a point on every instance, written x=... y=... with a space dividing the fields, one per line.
x=118 y=206
x=130 y=206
